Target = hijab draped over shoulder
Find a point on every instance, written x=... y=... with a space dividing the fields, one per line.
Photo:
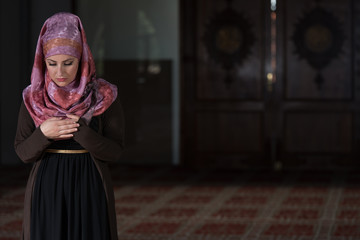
x=86 y=96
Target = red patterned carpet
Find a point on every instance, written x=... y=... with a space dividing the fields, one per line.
x=178 y=204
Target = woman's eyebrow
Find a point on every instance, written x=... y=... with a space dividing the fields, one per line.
x=69 y=59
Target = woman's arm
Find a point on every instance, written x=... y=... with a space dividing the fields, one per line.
x=107 y=147
x=30 y=142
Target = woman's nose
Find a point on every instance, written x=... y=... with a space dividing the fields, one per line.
x=60 y=71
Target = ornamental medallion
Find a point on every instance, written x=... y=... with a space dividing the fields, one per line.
x=228 y=39
x=318 y=39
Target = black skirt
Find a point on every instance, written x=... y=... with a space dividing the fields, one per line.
x=69 y=201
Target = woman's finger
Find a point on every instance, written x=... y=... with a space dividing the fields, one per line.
x=72 y=116
x=66 y=131
x=68 y=126
x=54 y=118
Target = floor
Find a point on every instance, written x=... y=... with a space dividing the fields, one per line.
x=164 y=203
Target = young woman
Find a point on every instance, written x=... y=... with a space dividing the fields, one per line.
x=70 y=127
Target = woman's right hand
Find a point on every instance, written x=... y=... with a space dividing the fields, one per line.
x=58 y=128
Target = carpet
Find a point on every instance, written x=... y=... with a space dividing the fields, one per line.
x=183 y=204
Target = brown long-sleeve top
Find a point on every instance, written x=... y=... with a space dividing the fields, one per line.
x=105 y=146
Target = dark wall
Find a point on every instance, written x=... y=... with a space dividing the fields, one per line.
x=20 y=24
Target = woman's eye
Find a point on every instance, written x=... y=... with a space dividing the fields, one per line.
x=52 y=64
x=68 y=64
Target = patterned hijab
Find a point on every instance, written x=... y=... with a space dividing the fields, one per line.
x=87 y=95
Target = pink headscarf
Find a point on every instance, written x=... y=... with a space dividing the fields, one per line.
x=87 y=95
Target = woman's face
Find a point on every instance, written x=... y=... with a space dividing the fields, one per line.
x=62 y=69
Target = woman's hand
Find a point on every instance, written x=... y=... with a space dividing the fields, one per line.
x=57 y=128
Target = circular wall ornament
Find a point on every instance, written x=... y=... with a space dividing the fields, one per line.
x=318 y=39
x=228 y=39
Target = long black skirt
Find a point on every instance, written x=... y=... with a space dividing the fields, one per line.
x=69 y=201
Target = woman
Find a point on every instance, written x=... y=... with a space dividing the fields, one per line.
x=70 y=126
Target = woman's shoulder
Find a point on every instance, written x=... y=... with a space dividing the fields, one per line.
x=23 y=109
x=114 y=108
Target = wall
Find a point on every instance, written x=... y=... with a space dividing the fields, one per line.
x=136 y=30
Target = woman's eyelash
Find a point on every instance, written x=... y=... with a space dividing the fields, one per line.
x=66 y=64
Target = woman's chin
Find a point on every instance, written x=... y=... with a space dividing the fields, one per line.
x=61 y=84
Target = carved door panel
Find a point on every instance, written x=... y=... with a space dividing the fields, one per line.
x=318 y=81
x=235 y=115
x=223 y=61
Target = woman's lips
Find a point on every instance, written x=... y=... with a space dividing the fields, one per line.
x=61 y=79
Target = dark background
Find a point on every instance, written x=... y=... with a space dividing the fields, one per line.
x=291 y=121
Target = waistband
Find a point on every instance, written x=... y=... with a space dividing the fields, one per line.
x=66 y=151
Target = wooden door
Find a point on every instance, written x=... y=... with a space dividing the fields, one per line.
x=224 y=102
x=318 y=101
x=235 y=115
